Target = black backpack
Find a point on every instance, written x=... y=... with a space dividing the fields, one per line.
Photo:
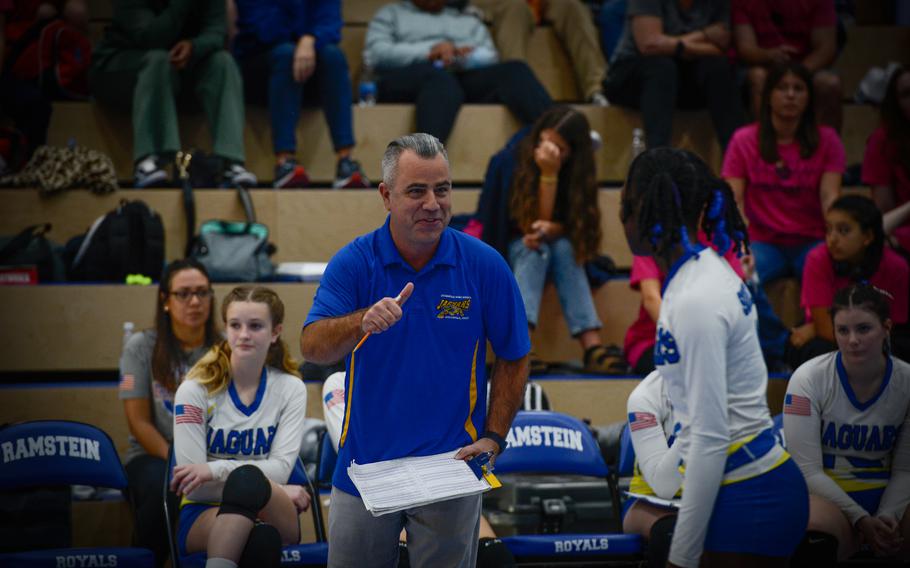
x=127 y=240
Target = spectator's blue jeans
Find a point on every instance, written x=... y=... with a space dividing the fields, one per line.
x=556 y=260
x=268 y=79
x=775 y=261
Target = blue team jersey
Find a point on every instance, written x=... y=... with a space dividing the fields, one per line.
x=419 y=388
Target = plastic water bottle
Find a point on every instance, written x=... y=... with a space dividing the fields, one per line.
x=638 y=142
x=367 y=87
x=127 y=332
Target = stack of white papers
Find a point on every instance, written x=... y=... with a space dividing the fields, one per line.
x=395 y=485
x=655 y=500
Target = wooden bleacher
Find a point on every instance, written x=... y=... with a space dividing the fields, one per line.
x=305 y=225
x=480 y=131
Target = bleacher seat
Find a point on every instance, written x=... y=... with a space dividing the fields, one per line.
x=579 y=454
x=308 y=555
x=62 y=453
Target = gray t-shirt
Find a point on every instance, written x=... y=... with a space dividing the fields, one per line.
x=676 y=22
x=136 y=382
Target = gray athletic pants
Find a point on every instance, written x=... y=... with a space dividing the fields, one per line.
x=439 y=534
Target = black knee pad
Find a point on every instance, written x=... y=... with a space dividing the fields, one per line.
x=263 y=548
x=246 y=492
x=492 y=553
x=659 y=541
x=816 y=549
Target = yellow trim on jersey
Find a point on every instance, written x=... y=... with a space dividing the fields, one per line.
x=734 y=447
x=347 y=405
x=781 y=461
x=849 y=484
x=185 y=501
x=472 y=395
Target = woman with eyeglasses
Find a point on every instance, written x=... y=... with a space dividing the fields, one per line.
x=785 y=172
x=152 y=365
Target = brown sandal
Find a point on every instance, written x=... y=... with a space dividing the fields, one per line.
x=604 y=360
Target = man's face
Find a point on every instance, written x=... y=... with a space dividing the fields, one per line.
x=420 y=203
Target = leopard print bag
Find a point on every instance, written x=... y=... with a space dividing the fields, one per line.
x=53 y=169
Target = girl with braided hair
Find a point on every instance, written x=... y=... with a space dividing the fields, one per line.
x=847 y=422
x=745 y=501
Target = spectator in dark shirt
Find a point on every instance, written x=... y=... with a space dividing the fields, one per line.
x=673 y=52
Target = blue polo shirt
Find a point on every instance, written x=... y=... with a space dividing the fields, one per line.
x=419 y=388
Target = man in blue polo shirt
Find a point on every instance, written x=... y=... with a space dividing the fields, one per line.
x=431 y=297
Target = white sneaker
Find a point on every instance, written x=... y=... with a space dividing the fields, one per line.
x=236 y=174
x=148 y=172
x=599 y=99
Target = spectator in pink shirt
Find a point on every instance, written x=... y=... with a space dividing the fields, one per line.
x=785 y=171
x=886 y=165
x=648 y=278
x=854 y=251
x=768 y=32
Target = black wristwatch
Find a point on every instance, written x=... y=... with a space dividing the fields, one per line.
x=500 y=441
x=680 y=49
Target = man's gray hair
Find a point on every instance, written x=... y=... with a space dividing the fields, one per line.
x=424 y=145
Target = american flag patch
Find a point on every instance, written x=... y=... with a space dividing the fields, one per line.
x=641 y=420
x=127 y=382
x=334 y=398
x=187 y=414
x=798 y=405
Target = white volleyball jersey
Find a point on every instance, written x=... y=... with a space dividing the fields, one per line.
x=653 y=431
x=842 y=445
x=221 y=430
x=708 y=353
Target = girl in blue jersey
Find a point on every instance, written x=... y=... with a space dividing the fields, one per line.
x=846 y=417
x=745 y=501
x=243 y=403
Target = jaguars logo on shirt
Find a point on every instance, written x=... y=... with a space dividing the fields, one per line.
x=665 y=350
x=453 y=307
x=745 y=299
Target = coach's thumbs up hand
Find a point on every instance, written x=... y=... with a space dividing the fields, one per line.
x=386 y=312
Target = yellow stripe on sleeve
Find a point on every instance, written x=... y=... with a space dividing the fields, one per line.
x=472 y=394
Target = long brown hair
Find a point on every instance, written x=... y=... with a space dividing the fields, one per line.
x=167 y=354
x=897 y=125
x=806 y=132
x=213 y=371
x=577 y=177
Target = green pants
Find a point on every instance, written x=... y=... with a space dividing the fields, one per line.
x=145 y=83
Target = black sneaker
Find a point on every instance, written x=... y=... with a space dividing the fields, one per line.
x=349 y=175
x=149 y=172
x=235 y=174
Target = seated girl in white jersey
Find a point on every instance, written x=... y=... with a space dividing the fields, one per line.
x=653 y=430
x=847 y=424
x=238 y=426
x=745 y=501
